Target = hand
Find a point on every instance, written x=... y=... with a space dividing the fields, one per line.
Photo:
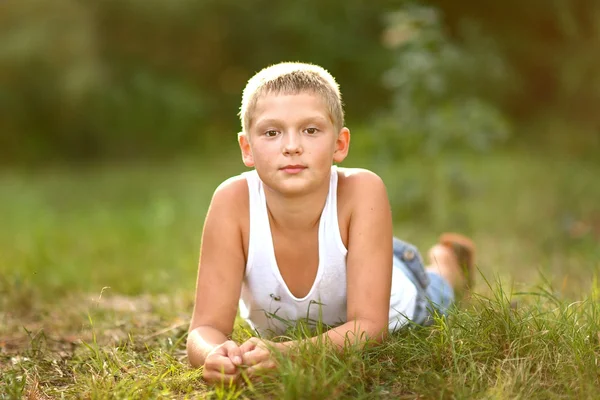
x=221 y=364
x=256 y=354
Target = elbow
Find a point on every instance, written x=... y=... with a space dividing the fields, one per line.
x=375 y=332
x=193 y=354
x=378 y=330
x=380 y=338
x=378 y=333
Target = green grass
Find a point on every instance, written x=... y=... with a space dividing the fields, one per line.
x=98 y=266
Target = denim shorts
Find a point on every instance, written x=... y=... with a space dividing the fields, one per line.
x=435 y=296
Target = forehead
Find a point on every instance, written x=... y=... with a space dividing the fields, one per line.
x=290 y=106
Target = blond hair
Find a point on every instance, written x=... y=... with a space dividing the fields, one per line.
x=292 y=78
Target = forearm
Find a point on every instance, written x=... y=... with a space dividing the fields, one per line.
x=355 y=332
x=201 y=341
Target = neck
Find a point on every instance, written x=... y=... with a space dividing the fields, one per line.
x=297 y=213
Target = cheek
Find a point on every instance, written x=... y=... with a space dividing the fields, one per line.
x=324 y=153
x=262 y=157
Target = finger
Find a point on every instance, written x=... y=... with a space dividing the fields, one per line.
x=248 y=345
x=256 y=356
x=261 y=367
x=220 y=364
x=251 y=357
x=234 y=353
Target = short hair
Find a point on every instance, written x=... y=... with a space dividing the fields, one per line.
x=292 y=78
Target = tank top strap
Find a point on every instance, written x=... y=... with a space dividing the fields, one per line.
x=259 y=230
x=331 y=237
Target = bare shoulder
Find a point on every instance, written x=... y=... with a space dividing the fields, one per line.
x=229 y=211
x=231 y=196
x=233 y=186
x=360 y=184
x=362 y=195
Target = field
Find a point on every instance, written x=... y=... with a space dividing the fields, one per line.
x=98 y=267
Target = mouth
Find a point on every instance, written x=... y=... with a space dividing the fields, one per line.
x=293 y=169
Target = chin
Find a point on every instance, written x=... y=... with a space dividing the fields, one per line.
x=294 y=189
x=291 y=187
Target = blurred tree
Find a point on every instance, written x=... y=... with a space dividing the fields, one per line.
x=437 y=104
x=130 y=78
x=437 y=109
x=49 y=67
x=166 y=76
x=552 y=44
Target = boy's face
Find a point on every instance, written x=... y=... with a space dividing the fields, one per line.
x=292 y=142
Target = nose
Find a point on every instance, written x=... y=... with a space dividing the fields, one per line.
x=292 y=144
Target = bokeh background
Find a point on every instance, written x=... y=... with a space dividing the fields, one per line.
x=118 y=119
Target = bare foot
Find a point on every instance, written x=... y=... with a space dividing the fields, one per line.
x=453 y=258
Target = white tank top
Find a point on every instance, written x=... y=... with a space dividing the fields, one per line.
x=266 y=302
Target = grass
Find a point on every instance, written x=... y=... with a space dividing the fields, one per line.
x=98 y=266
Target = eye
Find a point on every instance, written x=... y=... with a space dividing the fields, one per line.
x=271 y=133
x=311 y=131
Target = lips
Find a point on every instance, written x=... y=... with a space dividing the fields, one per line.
x=293 y=169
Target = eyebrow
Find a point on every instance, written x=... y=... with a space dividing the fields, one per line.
x=268 y=121
x=275 y=121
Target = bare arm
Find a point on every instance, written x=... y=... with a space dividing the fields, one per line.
x=369 y=262
x=220 y=273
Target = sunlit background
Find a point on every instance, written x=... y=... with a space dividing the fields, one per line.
x=118 y=118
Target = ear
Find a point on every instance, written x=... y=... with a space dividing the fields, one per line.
x=342 y=145
x=244 y=143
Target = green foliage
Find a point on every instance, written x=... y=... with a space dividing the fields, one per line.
x=131 y=78
x=436 y=106
x=552 y=45
x=441 y=113
x=49 y=68
x=83 y=79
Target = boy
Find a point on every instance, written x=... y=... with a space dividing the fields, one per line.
x=300 y=238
